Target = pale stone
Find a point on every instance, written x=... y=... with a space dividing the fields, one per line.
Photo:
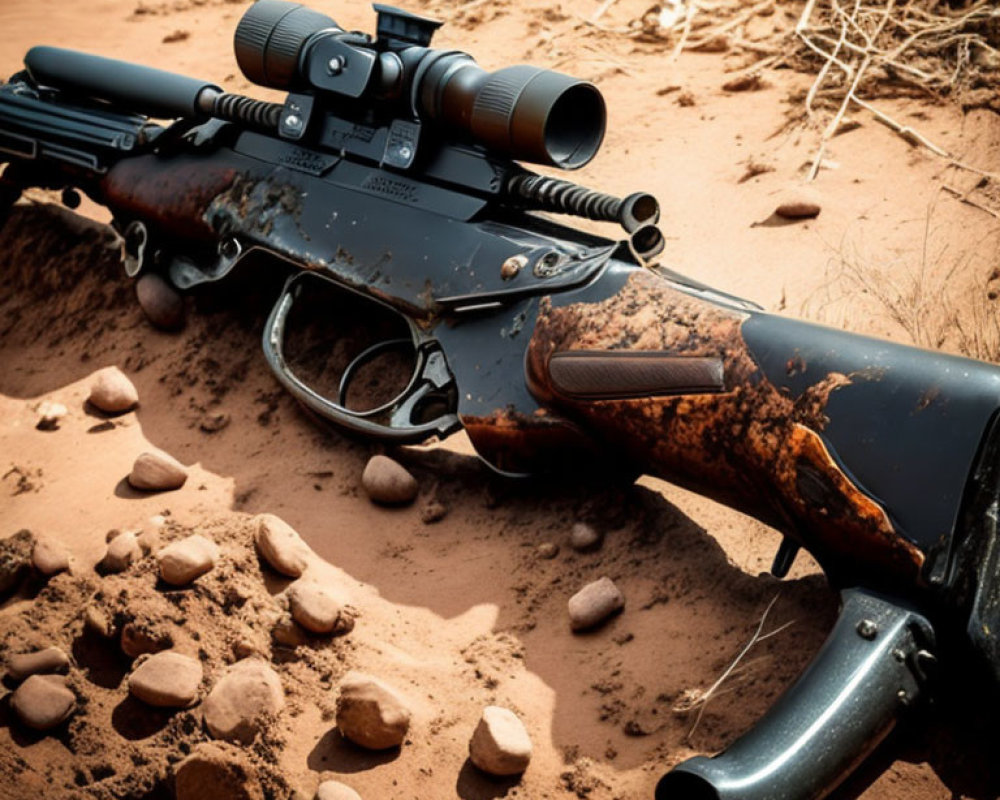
x=548 y=550
x=237 y=705
x=584 y=537
x=335 y=790
x=162 y=304
x=96 y=621
x=167 y=679
x=500 y=744
x=212 y=773
x=371 y=714
x=122 y=551
x=43 y=701
x=190 y=558
x=48 y=557
x=157 y=471
x=315 y=607
x=281 y=546
x=51 y=659
x=388 y=482
x=594 y=603
x=111 y=391
x=50 y=415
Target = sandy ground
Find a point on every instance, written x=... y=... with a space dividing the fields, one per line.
x=463 y=613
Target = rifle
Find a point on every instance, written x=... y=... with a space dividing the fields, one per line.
x=389 y=177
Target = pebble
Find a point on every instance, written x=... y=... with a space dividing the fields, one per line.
x=388 y=482
x=214 y=422
x=157 y=471
x=335 y=790
x=584 y=537
x=15 y=559
x=594 y=603
x=51 y=659
x=211 y=772
x=280 y=545
x=48 y=557
x=139 y=638
x=371 y=714
x=50 y=415
x=98 y=622
x=315 y=608
x=166 y=680
x=122 y=551
x=112 y=392
x=160 y=302
x=149 y=540
x=247 y=692
x=548 y=550
x=800 y=203
x=500 y=744
x=433 y=511
x=288 y=633
x=190 y=558
x=43 y=701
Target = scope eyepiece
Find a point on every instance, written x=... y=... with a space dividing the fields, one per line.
x=270 y=38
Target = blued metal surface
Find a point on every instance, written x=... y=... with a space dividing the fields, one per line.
x=907 y=424
x=841 y=707
x=751 y=446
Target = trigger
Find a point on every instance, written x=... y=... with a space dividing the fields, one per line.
x=785 y=557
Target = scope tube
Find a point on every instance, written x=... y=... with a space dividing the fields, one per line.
x=869 y=670
x=528 y=113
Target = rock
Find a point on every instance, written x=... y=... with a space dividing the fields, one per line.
x=15 y=559
x=315 y=608
x=49 y=660
x=160 y=302
x=548 y=550
x=211 y=771
x=583 y=537
x=287 y=632
x=280 y=545
x=433 y=511
x=139 y=638
x=500 y=744
x=43 y=701
x=335 y=790
x=388 y=482
x=97 y=622
x=50 y=415
x=235 y=708
x=594 y=603
x=371 y=714
x=148 y=540
x=123 y=550
x=190 y=558
x=798 y=203
x=157 y=471
x=214 y=422
x=166 y=680
x=112 y=392
x=48 y=557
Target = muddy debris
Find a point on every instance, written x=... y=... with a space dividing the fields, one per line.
x=433 y=511
x=500 y=745
x=388 y=482
x=15 y=559
x=156 y=471
x=594 y=604
x=370 y=713
x=112 y=392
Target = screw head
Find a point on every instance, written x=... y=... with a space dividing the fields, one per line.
x=512 y=266
x=867 y=629
x=335 y=65
x=293 y=122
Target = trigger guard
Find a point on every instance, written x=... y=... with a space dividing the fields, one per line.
x=430 y=372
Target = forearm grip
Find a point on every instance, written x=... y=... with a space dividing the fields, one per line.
x=871 y=667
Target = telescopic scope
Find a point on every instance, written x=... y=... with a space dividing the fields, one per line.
x=526 y=113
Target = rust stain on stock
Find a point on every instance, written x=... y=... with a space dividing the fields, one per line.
x=173 y=197
x=751 y=446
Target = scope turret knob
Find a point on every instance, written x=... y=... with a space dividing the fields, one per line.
x=396 y=25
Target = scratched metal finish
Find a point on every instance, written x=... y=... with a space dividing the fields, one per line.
x=751 y=446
